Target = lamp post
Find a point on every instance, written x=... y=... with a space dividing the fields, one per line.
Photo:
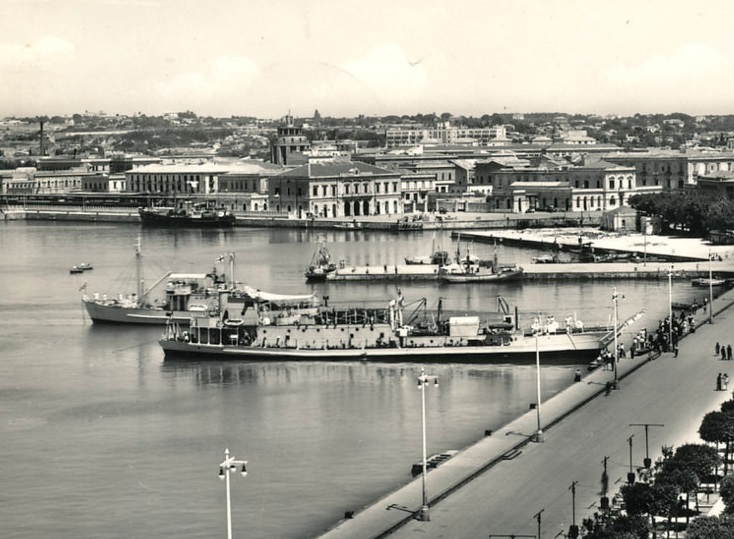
x=573 y=531
x=615 y=300
x=537 y=517
x=670 y=308
x=423 y=381
x=229 y=464
x=631 y=473
x=711 y=291
x=647 y=461
x=539 y=432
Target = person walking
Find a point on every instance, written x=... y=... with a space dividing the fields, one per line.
x=728 y=352
x=724 y=382
x=723 y=352
x=718 y=348
x=718 y=382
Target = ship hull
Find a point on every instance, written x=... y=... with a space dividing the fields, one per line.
x=116 y=314
x=154 y=219
x=560 y=349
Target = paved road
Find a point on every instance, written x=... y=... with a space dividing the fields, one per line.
x=478 y=492
x=676 y=392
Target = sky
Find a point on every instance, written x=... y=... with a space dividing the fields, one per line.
x=376 y=57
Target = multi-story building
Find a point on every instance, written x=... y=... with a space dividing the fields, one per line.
x=289 y=145
x=445 y=133
x=592 y=185
x=720 y=183
x=416 y=190
x=336 y=189
x=673 y=169
x=176 y=179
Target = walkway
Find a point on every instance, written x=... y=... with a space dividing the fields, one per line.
x=479 y=492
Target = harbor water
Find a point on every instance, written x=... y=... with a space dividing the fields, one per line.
x=102 y=438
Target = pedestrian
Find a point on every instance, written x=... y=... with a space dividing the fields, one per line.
x=728 y=352
x=724 y=382
x=718 y=382
x=675 y=350
x=718 y=347
x=577 y=376
x=723 y=353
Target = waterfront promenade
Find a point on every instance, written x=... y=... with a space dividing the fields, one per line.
x=500 y=484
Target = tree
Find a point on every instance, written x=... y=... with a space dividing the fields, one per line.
x=705 y=527
x=700 y=459
x=718 y=427
x=726 y=490
x=666 y=500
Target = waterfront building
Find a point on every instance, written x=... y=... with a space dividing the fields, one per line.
x=289 y=145
x=247 y=184
x=200 y=179
x=464 y=178
x=416 y=190
x=30 y=181
x=673 y=169
x=236 y=176
x=550 y=184
x=104 y=183
x=622 y=219
x=336 y=189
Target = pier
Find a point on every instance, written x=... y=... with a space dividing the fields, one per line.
x=481 y=491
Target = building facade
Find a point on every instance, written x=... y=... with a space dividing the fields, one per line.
x=289 y=144
x=673 y=169
x=336 y=189
x=591 y=186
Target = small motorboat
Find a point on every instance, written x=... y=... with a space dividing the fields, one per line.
x=80 y=268
x=703 y=282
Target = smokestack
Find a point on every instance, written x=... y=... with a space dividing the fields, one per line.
x=43 y=150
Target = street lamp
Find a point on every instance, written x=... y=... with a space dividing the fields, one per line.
x=573 y=531
x=647 y=461
x=423 y=381
x=670 y=308
x=539 y=432
x=631 y=473
x=229 y=464
x=711 y=291
x=615 y=300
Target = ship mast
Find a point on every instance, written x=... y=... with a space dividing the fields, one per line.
x=231 y=271
x=139 y=269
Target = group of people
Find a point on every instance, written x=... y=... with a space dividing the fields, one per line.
x=725 y=351
x=722 y=382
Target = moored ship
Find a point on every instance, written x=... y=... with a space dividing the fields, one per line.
x=376 y=334
x=182 y=295
x=189 y=215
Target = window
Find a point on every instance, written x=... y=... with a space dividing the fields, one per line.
x=611 y=184
x=315 y=190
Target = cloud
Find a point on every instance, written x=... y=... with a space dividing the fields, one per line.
x=387 y=72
